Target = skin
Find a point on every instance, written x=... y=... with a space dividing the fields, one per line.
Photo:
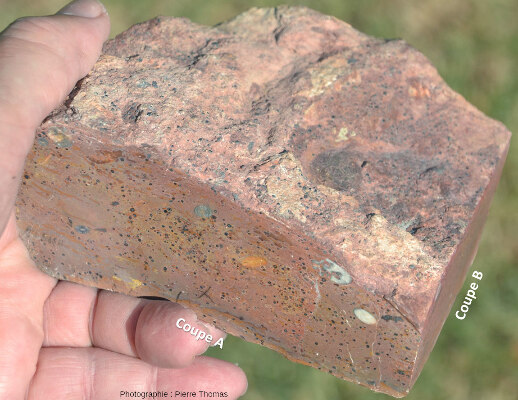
x=60 y=340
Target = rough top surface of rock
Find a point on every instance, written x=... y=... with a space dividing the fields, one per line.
x=299 y=122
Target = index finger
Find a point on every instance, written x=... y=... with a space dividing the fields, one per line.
x=154 y=331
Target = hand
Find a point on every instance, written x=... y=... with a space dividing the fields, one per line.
x=59 y=340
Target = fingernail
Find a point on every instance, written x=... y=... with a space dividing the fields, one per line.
x=84 y=8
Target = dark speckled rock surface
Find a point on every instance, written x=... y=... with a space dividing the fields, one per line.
x=294 y=181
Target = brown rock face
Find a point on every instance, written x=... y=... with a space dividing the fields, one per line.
x=296 y=182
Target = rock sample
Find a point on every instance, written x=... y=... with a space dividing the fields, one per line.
x=297 y=183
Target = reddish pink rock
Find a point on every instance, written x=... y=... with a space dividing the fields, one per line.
x=296 y=182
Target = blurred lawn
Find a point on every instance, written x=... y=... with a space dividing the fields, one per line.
x=474 y=45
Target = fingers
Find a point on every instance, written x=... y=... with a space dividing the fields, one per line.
x=162 y=336
x=41 y=59
x=67 y=315
x=23 y=290
x=80 y=316
x=91 y=373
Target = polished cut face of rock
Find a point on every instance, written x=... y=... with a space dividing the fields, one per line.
x=297 y=183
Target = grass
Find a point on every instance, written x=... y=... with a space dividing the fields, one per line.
x=474 y=45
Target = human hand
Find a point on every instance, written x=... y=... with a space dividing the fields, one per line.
x=59 y=340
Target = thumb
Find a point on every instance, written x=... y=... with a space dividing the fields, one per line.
x=41 y=59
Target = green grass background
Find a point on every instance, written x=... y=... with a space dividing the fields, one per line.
x=474 y=45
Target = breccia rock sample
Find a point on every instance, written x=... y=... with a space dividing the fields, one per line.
x=297 y=183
